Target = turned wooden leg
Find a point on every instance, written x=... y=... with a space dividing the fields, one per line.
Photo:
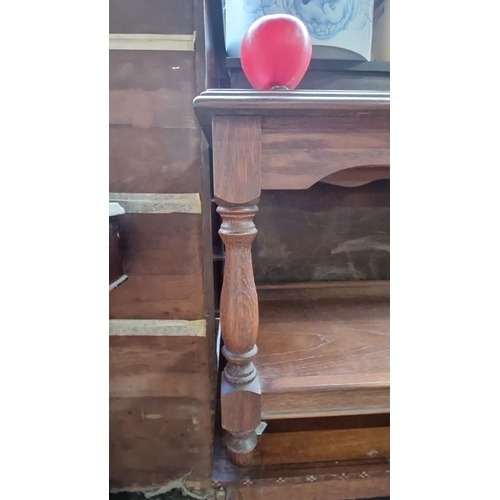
x=239 y=311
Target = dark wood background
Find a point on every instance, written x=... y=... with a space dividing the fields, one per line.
x=162 y=389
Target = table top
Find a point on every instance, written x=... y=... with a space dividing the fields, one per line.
x=276 y=103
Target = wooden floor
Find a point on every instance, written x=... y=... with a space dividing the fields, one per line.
x=324 y=349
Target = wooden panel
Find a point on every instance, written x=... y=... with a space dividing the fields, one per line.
x=160 y=420
x=345 y=234
x=162 y=255
x=237 y=159
x=289 y=104
x=317 y=403
x=161 y=386
x=341 y=290
x=151 y=89
x=157 y=366
x=157 y=244
x=324 y=356
x=172 y=71
x=151 y=16
x=154 y=160
x=322 y=446
x=154 y=144
x=158 y=297
x=325 y=144
x=160 y=108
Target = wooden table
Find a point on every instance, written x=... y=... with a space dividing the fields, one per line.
x=323 y=347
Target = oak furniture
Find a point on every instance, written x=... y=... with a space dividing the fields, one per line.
x=305 y=349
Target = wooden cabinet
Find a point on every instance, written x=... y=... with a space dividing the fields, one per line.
x=303 y=349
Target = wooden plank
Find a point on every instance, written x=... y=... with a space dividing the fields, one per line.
x=326 y=145
x=322 y=446
x=152 y=203
x=151 y=71
x=151 y=16
x=323 y=356
x=320 y=402
x=165 y=108
x=291 y=104
x=153 y=160
x=152 y=89
x=285 y=172
x=350 y=228
x=159 y=297
x=238 y=102
x=158 y=327
x=161 y=244
x=160 y=419
x=163 y=257
x=237 y=159
x=157 y=366
x=360 y=290
x=155 y=440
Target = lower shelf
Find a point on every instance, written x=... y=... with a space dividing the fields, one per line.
x=324 y=349
x=332 y=458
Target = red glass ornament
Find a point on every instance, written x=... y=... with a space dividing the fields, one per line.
x=276 y=52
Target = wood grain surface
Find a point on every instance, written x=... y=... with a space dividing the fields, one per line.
x=297 y=153
x=162 y=385
x=237 y=159
x=160 y=418
x=324 y=356
x=153 y=160
x=239 y=318
x=154 y=144
x=236 y=102
x=151 y=88
x=151 y=16
x=161 y=244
